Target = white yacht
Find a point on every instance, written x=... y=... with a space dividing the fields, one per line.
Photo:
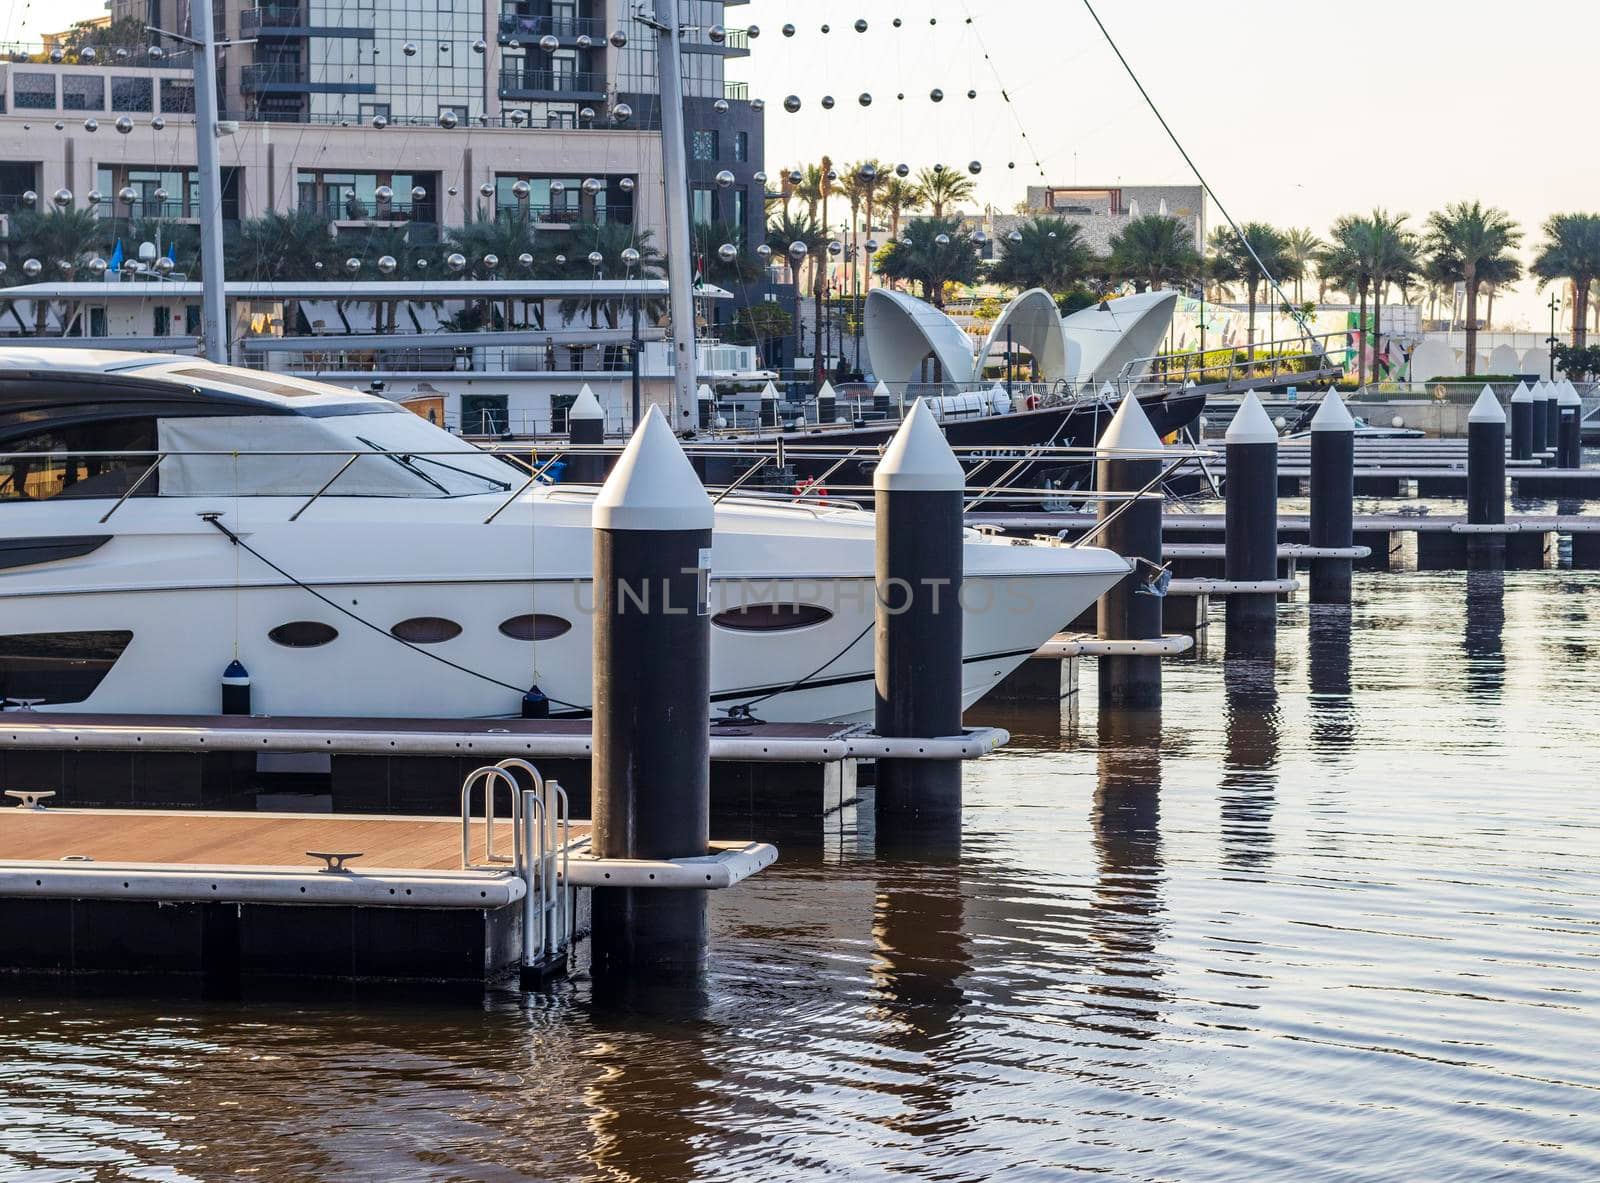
x=162 y=517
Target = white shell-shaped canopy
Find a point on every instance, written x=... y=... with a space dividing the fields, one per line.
x=1487 y=409
x=653 y=486
x=1535 y=361
x=1100 y=343
x=918 y=458
x=1505 y=360
x=902 y=330
x=1434 y=359
x=1035 y=324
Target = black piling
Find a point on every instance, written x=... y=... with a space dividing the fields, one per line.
x=770 y=405
x=1251 y=528
x=652 y=684
x=1333 y=489
x=1539 y=440
x=1552 y=415
x=1569 y=440
x=1129 y=611
x=1522 y=423
x=827 y=404
x=706 y=407
x=1486 y=481
x=586 y=426
x=882 y=399
x=918 y=492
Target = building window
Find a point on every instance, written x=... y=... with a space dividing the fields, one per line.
x=34 y=92
x=191 y=320
x=741 y=146
x=738 y=213
x=703 y=145
x=177 y=96
x=704 y=210
x=130 y=94
x=163 y=324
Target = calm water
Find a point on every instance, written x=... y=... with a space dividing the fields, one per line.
x=1344 y=923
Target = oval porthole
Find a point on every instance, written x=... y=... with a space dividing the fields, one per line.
x=755 y=618
x=427 y=630
x=303 y=634
x=535 y=626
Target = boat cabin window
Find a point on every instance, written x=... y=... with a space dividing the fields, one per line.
x=100 y=459
x=56 y=667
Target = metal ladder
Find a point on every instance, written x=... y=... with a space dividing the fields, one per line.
x=541 y=839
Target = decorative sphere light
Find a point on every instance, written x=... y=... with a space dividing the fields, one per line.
x=379 y=122
x=60 y=126
x=826 y=29
x=57 y=55
x=525 y=259
x=836 y=248
x=902 y=170
x=831 y=175
x=868 y=171
x=520 y=190
x=763 y=252
x=66 y=266
x=456 y=261
x=352 y=264
x=938 y=168
x=383 y=194
x=975 y=167
x=452 y=191
x=905 y=240
x=586 y=114
x=592 y=185
x=480 y=46
x=561 y=260
x=486 y=189
x=936 y=95
x=159 y=123
x=896 y=22
x=124 y=124
x=725 y=179
x=585 y=41
x=861 y=26
x=788 y=30
x=409 y=49
x=827 y=102
x=979 y=237
x=127 y=195
x=792 y=104
x=157 y=53
x=519 y=117
x=716 y=34
x=627 y=184
x=972 y=94
x=872 y=246
x=596 y=258
x=720 y=106
x=490 y=262
x=795 y=176
x=549 y=43
x=753 y=32
x=418 y=193
x=619 y=39
x=93 y=197
x=62 y=197
x=760 y=177
x=630 y=257
x=1011 y=164
x=864 y=99
x=621 y=113
x=941 y=240
x=2 y=266
x=758 y=105
x=160 y=194
x=447 y=119
x=727 y=252
x=798 y=249
x=557 y=188
x=133 y=265
x=387 y=264
x=31 y=268
x=422 y=264
x=91 y=124
x=163 y=265
x=514 y=43
x=30 y=198
x=97 y=266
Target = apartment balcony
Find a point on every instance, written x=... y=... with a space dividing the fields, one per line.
x=562 y=216
x=519 y=83
x=289 y=78
x=274 y=20
x=526 y=29
x=374 y=214
x=735 y=45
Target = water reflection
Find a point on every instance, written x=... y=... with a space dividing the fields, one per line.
x=1485 y=628
x=1328 y=676
x=1249 y=783
x=1129 y=915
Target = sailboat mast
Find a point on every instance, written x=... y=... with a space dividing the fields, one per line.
x=675 y=177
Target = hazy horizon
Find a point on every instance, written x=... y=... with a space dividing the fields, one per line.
x=1339 y=116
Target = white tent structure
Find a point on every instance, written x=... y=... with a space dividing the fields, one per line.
x=1434 y=359
x=902 y=330
x=1033 y=323
x=1102 y=340
x=1537 y=361
x=1505 y=360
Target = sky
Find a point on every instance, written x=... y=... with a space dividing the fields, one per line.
x=1295 y=113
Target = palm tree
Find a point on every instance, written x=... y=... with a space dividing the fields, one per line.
x=1347 y=264
x=1395 y=259
x=1154 y=251
x=1464 y=237
x=808 y=189
x=62 y=240
x=862 y=185
x=1304 y=247
x=783 y=232
x=1047 y=253
x=899 y=197
x=281 y=246
x=931 y=253
x=1571 y=251
x=709 y=238
x=1256 y=246
x=942 y=186
x=608 y=240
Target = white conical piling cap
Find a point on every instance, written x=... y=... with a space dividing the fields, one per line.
x=1130 y=428
x=1541 y=391
x=1522 y=394
x=1569 y=394
x=1107 y=390
x=1332 y=415
x=826 y=390
x=653 y=486
x=919 y=459
x=1487 y=409
x=882 y=388
x=1250 y=423
x=586 y=406
x=704 y=394
x=769 y=391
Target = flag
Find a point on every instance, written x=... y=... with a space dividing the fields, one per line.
x=172 y=252
x=116 y=257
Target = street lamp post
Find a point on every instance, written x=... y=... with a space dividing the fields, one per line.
x=1551 y=340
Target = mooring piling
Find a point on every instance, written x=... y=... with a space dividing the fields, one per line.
x=827 y=404
x=770 y=405
x=918 y=492
x=1486 y=482
x=706 y=405
x=1333 y=490
x=652 y=683
x=586 y=426
x=882 y=399
x=1522 y=422
x=1251 y=536
x=1552 y=416
x=1540 y=440
x=1131 y=610
x=1569 y=445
